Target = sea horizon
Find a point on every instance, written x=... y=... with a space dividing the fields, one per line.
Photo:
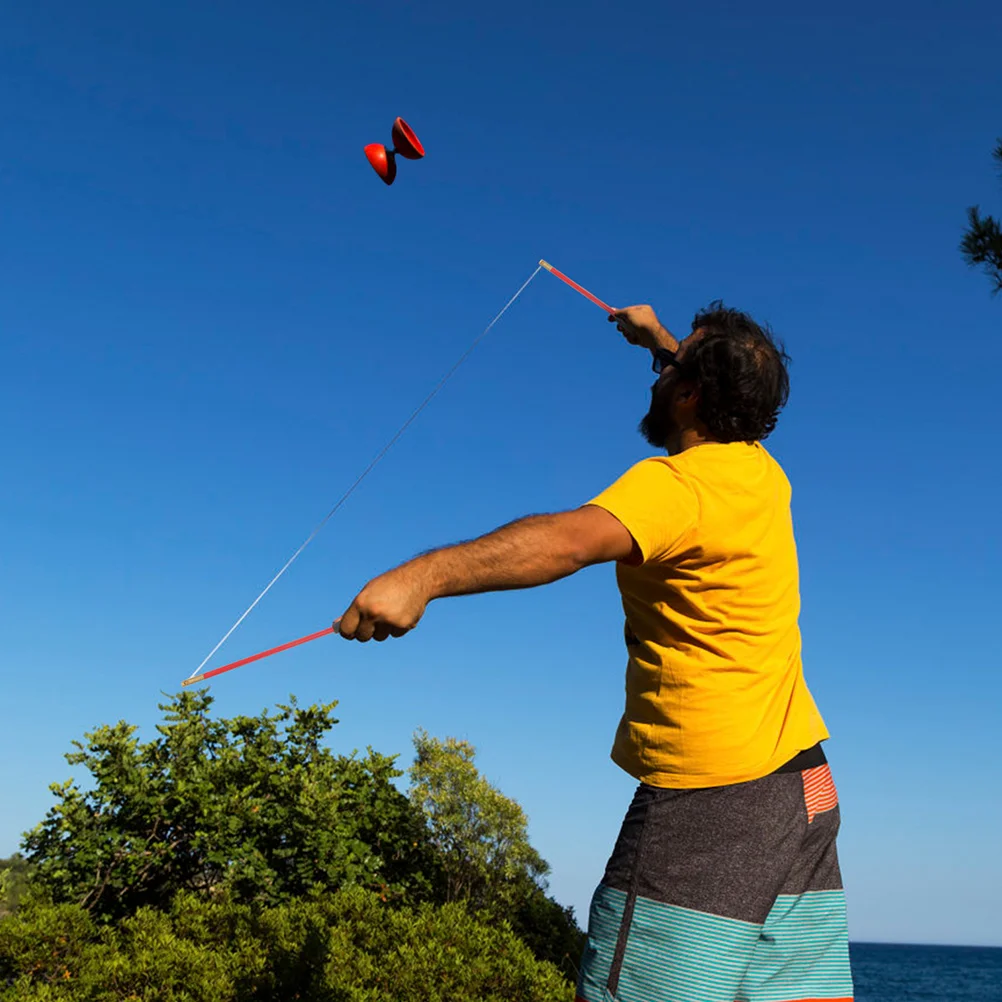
x=920 y=972
x=951 y=946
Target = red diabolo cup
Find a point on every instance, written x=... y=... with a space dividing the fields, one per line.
x=405 y=143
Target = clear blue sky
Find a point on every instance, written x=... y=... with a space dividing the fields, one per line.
x=213 y=314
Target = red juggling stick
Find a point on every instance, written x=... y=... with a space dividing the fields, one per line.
x=263 y=654
x=574 y=285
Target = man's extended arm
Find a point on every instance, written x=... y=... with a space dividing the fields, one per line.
x=531 y=551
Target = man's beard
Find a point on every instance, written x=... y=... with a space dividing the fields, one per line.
x=657 y=426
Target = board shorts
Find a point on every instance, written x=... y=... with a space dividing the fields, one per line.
x=724 y=894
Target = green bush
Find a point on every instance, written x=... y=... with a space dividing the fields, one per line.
x=254 y=805
x=15 y=873
x=482 y=840
x=349 y=946
x=242 y=859
x=549 y=929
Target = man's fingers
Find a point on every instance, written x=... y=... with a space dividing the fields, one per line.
x=621 y=318
x=354 y=625
x=388 y=606
x=348 y=622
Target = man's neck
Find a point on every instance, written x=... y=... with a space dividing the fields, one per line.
x=687 y=438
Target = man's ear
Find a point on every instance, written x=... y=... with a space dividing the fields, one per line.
x=688 y=394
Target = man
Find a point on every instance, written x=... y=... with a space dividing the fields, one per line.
x=724 y=883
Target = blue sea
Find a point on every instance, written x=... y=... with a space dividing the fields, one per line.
x=891 y=973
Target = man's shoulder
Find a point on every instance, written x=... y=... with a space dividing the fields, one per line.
x=658 y=468
x=651 y=480
x=721 y=463
x=773 y=463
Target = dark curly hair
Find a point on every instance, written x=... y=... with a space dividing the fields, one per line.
x=741 y=374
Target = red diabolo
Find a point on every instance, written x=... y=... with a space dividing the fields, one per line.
x=405 y=143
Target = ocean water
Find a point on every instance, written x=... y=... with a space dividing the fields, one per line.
x=891 y=973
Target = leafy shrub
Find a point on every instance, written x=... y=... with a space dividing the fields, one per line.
x=488 y=862
x=253 y=805
x=15 y=872
x=349 y=946
x=240 y=859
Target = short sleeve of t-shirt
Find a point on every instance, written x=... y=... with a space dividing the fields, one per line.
x=655 y=504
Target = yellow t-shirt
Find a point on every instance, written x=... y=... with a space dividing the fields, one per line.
x=715 y=690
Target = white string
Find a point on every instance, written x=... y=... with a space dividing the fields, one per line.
x=386 y=448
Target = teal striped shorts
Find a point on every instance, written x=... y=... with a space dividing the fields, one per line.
x=724 y=894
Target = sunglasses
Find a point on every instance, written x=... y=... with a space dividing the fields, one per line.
x=663 y=357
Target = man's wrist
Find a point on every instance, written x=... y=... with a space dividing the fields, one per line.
x=433 y=573
x=663 y=338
